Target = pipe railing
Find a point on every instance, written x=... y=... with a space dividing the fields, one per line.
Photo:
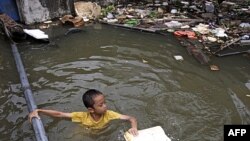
x=36 y=123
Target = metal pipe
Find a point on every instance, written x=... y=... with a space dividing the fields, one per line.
x=36 y=123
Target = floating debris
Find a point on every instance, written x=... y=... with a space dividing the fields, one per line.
x=189 y=34
x=48 y=22
x=214 y=68
x=44 y=26
x=144 y=61
x=36 y=33
x=178 y=58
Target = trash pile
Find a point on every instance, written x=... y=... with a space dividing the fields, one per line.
x=203 y=27
x=221 y=27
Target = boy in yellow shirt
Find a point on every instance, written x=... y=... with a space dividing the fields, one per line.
x=97 y=117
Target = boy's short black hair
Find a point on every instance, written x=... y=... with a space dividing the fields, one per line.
x=88 y=97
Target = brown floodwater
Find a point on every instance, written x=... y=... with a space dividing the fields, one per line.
x=139 y=76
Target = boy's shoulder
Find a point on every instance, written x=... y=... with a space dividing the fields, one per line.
x=112 y=114
x=79 y=114
x=111 y=111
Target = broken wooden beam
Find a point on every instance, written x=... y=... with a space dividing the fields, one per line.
x=227 y=44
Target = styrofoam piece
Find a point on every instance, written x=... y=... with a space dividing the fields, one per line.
x=150 y=134
x=36 y=33
x=178 y=57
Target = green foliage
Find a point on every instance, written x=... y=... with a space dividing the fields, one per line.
x=153 y=14
x=132 y=22
x=108 y=9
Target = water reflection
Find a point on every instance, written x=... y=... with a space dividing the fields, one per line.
x=137 y=73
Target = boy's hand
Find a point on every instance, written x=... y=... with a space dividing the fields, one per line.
x=133 y=131
x=133 y=122
x=33 y=114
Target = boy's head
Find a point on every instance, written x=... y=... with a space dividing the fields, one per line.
x=94 y=101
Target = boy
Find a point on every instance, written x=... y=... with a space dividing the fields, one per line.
x=97 y=116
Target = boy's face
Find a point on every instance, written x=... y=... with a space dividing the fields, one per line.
x=100 y=106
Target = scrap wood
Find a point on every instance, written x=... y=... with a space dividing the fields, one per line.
x=184 y=20
x=227 y=44
x=245 y=42
x=135 y=28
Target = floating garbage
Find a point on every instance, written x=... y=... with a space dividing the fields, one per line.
x=170 y=30
x=112 y=20
x=178 y=58
x=211 y=39
x=219 y=32
x=110 y=16
x=165 y=3
x=185 y=27
x=208 y=38
x=48 y=22
x=44 y=26
x=144 y=61
x=173 y=11
x=129 y=16
x=245 y=25
x=209 y=22
x=245 y=42
x=202 y=28
x=189 y=34
x=131 y=22
x=214 y=68
x=245 y=37
x=184 y=2
x=173 y=24
x=209 y=6
x=36 y=33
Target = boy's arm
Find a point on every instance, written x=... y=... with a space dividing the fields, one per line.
x=52 y=113
x=133 y=130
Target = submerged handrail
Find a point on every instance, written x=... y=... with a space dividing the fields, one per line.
x=36 y=123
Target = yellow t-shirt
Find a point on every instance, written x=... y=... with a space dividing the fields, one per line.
x=85 y=119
